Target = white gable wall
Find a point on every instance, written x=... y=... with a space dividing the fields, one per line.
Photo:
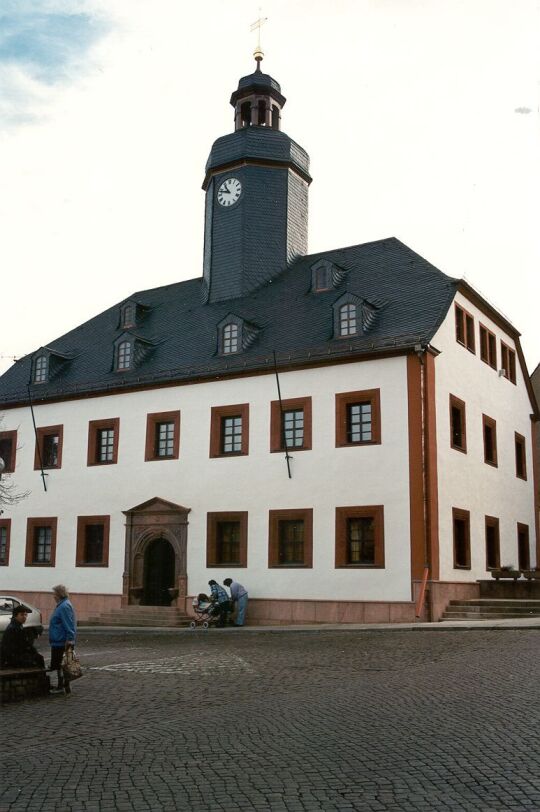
x=324 y=478
x=465 y=480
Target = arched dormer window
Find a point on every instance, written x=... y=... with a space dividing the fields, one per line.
x=230 y=338
x=41 y=369
x=124 y=355
x=234 y=334
x=326 y=275
x=348 y=319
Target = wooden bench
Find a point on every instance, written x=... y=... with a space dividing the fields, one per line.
x=17 y=684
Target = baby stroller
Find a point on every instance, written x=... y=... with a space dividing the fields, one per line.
x=206 y=612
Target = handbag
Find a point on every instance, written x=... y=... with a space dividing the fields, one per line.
x=71 y=666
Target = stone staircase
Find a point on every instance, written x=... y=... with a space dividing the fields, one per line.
x=140 y=616
x=491 y=609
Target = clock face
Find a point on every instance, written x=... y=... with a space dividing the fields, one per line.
x=229 y=192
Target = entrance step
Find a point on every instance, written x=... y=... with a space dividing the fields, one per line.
x=140 y=616
x=491 y=609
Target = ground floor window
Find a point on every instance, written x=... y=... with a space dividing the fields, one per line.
x=41 y=542
x=5 y=528
x=493 y=555
x=462 y=538
x=93 y=541
x=226 y=539
x=290 y=538
x=524 y=555
x=360 y=536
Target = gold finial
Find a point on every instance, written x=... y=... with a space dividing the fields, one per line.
x=258 y=52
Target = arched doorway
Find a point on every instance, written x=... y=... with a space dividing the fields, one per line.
x=159 y=571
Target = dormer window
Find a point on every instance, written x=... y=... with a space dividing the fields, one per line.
x=325 y=275
x=348 y=323
x=128 y=316
x=234 y=334
x=124 y=355
x=230 y=338
x=41 y=369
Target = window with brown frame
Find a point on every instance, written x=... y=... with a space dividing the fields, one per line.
x=229 y=431
x=360 y=537
x=524 y=553
x=462 y=538
x=49 y=441
x=5 y=535
x=93 y=541
x=290 y=425
x=290 y=535
x=493 y=547
x=508 y=362
x=41 y=542
x=464 y=328
x=162 y=436
x=103 y=441
x=226 y=539
x=521 y=456
x=358 y=418
x=8 y=450
x=488 y=347
x=489 y=428
x=458 y=424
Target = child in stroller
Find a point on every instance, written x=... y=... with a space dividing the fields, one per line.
x=206 y=612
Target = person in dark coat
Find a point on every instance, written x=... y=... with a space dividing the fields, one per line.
x=17 y=649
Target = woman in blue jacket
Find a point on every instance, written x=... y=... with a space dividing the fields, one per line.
x=62 y=633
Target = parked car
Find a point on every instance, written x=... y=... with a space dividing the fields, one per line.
x=33 y=625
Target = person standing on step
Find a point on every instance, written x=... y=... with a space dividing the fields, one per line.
x=239 y=600
x=62 y=634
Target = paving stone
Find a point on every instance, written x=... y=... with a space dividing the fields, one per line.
x=264 y=722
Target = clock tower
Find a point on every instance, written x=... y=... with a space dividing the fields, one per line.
x=256 y=188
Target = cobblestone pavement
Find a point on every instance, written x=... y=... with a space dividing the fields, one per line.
x=330 y=720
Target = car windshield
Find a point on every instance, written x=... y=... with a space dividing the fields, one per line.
x=7 y=606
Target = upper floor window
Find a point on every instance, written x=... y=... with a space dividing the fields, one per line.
x=162 y=436
x=488 y=347
x=5 y=529
x=124 y=354
x=41 y=369
x=48 y=452
x=230 y=338
x=103 y=441
x=521 y=457
x=229 y=430
x=290 y=425
x=8 y=449
x=358 y=419
x=458 y=430
x=348 y=325
x=508 y=362
x=465 y=328
x=41 y=542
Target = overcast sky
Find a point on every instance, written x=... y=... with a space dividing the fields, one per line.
x=421 y=118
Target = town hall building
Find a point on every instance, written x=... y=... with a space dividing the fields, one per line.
x=333 y=430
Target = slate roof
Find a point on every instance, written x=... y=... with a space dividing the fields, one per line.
x=412 y=298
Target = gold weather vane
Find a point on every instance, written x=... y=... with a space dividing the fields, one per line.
x=256 y=26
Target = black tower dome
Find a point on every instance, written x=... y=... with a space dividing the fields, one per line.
x=256 y=187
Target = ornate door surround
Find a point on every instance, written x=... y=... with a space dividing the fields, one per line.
x=151 y=520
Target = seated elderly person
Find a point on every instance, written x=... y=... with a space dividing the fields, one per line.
x=17 y=650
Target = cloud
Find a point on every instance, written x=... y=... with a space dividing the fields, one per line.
x=43 y=44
